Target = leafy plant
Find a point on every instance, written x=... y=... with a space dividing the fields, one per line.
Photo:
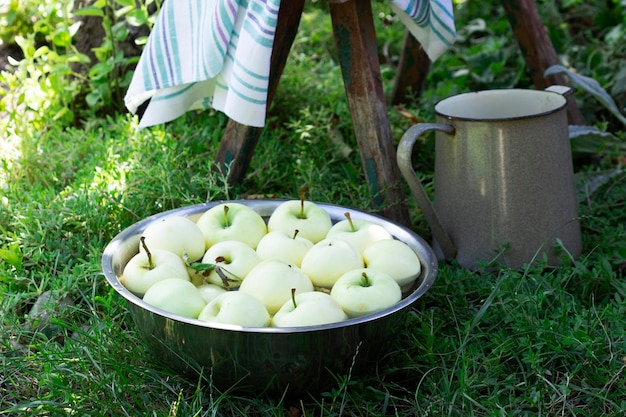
x=591 y=86
x=43 y=82
x=111 y=75
x=53 y=76
x=589 y=140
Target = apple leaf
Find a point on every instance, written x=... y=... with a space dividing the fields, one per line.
x=199 y=266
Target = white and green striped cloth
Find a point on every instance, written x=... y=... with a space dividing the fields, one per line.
x=216 y=53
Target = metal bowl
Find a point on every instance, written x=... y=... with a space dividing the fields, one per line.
x=273 y=360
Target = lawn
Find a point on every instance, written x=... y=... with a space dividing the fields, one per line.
x=534 y=341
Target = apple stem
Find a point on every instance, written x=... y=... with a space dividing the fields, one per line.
x=365 y=282
x=142 y=239
x=293 y=297
x=226 y=222
x=347 y=214
x=225 y=280
x=295 y=233
x=302 y=192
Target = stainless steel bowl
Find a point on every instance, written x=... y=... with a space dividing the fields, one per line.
x=275 y=360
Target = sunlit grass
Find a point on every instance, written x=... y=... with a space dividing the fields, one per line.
x=535 y=342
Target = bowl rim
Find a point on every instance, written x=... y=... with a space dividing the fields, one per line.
x=424 y=282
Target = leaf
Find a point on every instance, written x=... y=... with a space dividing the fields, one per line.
x=27 y=46
x=61 y=38
x=126 y=3
x=41 y=51
x=589 y=140
x=93 y=98
x=89 y=11
x=591 y=86
x=12 y=256
x=590 y=182
x=137 y=17
x=124 y=10
x=100 y=70
x=619 y=83
x=199 y=266
x=73 y=29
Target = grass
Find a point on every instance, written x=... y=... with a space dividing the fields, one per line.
x=532 y=342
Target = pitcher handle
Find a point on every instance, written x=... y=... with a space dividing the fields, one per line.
x=403 y=156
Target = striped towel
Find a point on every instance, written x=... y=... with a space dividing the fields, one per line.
x=216 y=53
x=431 y=22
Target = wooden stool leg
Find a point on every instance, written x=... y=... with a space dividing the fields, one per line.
x=239 y=141
x=412 y=70
x=355 y=37
x=537 y=49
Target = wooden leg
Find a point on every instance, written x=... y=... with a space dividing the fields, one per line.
x=355 y=37
x=537 y=49
x=412 y=70
x=239 y=141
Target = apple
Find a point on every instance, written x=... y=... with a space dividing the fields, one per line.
x=234 y=260
x=232 y=221
x=359 y=232
x=364 y=291
x=280 y=245
x=329 y=259
x=177 y=234
x=311 y=220
x=394 y=257
x=176 y=296
x=309 y=309
x=236 y=307
x=271 y=282
x=146 y=268
x=209 y=291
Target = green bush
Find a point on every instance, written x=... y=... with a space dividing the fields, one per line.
x=56 y=82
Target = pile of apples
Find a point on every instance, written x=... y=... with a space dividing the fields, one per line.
x=297 y=269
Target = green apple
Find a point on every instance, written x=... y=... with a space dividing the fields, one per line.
x=280 y=245
x=236 y=307
x=311 y=220
x=145 y=269
x=234 y=258
x=309 y=309
x=328 y=260
x=232 y=221
x=177 y=234
x=365 y=291
x=176 y=296
x=359 y=232
x=395 y=258
x=271 y=282
x=209 y=291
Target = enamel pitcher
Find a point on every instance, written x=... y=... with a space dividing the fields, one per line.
x=504 y=189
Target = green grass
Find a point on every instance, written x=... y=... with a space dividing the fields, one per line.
x=531 y=342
